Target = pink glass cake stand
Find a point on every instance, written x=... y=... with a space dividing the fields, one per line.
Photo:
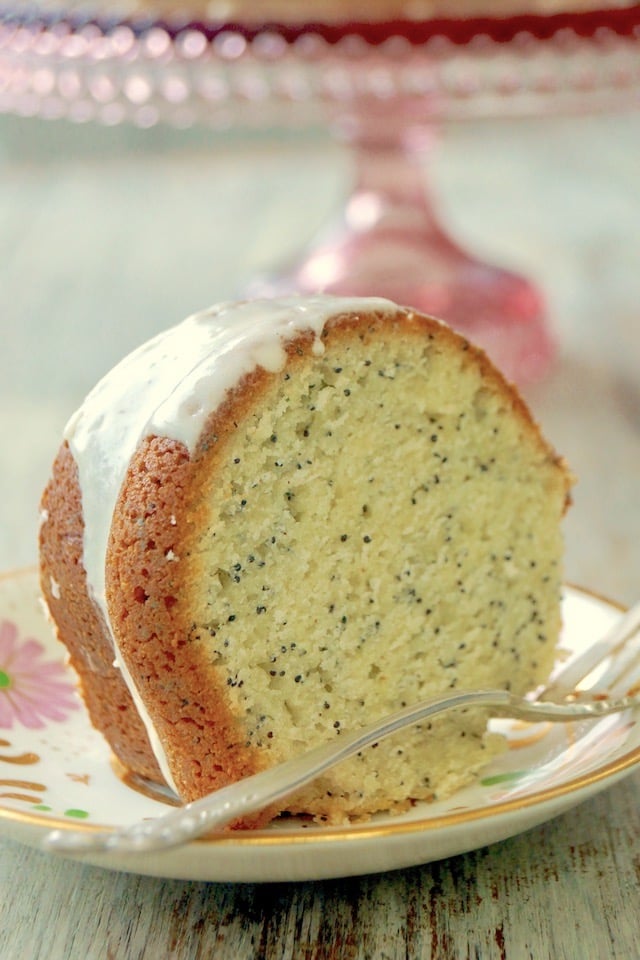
x=381 y=88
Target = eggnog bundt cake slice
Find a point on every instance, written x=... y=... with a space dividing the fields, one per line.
x=283 y=519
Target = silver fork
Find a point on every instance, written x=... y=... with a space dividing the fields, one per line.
x=605 y=679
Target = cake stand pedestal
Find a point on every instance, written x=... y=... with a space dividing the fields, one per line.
x=388 y=241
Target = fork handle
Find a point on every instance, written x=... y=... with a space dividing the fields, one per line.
x=269 y=786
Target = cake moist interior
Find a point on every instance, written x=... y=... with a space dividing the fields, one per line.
x=376 y=507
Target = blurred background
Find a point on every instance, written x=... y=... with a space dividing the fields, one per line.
x=109 y=234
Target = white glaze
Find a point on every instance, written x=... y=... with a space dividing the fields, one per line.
x=168 y=387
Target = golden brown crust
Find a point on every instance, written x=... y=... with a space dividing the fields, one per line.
x=80 y=625
x=149 y=605
x=148 y=597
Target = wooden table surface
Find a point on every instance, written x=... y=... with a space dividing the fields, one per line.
x=107 y=235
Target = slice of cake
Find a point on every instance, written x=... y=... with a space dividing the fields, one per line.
x=283 y=519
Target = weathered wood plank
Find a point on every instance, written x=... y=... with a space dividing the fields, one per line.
x=568 y=889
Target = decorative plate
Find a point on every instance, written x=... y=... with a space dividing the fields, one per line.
x=56 y=771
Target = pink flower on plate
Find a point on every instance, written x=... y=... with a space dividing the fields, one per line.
x=32 y=690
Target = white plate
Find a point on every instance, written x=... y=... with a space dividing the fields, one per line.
x=56 y=771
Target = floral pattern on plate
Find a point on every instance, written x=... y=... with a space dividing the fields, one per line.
x=32 y=690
